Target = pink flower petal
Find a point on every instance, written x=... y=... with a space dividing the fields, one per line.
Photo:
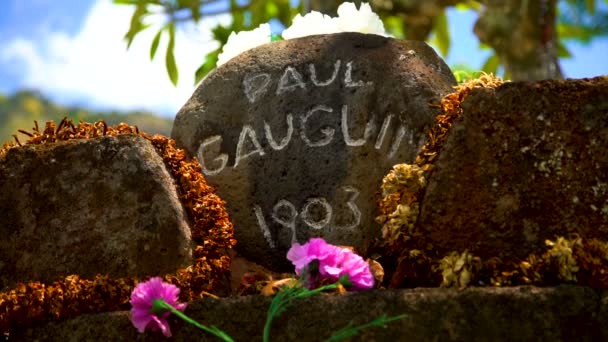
x=334 y=262
x=142 y=299
x=162 y=324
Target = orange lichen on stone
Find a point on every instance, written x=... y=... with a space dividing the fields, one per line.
x=403 y=187
x=451 y=107
x=574 y=261
x=591 y=256
x=416 y=262
x=211 y=230
x=401 y=190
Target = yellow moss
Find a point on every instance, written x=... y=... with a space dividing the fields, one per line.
x=403 y=178
x=403 y=186
x=401 y=189
x=584 y=262
x=400 y=222
x=561 y=255
x=592 y=259
x=458 y=270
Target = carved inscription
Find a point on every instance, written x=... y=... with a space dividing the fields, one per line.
x=248 y=145
x=287 y=216
x=259 y=140
x=256 y=85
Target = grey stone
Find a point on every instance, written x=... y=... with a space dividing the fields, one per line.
x=526 y=163
x=106 y=205
x=298 y=134
x=563 y=313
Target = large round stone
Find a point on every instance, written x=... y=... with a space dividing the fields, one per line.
x=298 y=135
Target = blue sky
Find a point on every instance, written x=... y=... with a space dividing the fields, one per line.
x=73 y=52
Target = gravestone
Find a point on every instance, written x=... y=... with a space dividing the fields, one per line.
x=298 y=134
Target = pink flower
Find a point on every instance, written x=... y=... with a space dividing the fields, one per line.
x=144 y=315
x=333 y=262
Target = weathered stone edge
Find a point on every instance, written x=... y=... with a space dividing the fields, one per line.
x=35 y=301
x=526 y=313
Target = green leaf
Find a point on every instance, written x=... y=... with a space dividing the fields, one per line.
x=484 y=46
x=442 y=33
x=345 y=281
x=468 y=5
x=195 y=10
x=154 y=45
x=590 y=4
x=394 y=25
x=562 y=51
x=170 y=58
x=205 y=68
x=130 y=36
x=271 y=9
x=491 y=64
x=136 y=24
x=136 y=2
x=221 y=34
x=126 y=2
x=287 y=13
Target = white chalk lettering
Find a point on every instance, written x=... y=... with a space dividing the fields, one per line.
x=290 y=221
x=285 y=140
x=290 y=80
x=248 y=143
x=256 y=86
x=222 y=158
x=354 y=193
x=348 y=77
x=284 y=213
x=347 y=139
x=385 y=124
x=397 y=141
x=263 y=227
x=306 y=215
x=313 y=75
x=247 y=132
x=328 y=132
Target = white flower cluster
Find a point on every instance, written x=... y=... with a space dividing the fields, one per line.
x=349 y=19
x=240 y=42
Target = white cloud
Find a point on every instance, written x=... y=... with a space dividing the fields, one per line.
x=95 y=67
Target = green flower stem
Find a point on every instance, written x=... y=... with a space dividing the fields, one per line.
x=284 y=297
x=213 y=330
x=349 y=331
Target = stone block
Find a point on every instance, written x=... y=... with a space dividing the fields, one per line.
x=105 y=205
x=563 y=313
x=526 y=162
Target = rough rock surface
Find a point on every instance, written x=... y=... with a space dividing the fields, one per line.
x=105 y=205
x=298 y=134
x=527 y=162
x=563 y=313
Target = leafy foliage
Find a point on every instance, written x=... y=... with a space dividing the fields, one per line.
x=19 y=111
x=577 y=20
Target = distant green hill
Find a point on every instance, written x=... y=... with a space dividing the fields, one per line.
x=19 y=111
